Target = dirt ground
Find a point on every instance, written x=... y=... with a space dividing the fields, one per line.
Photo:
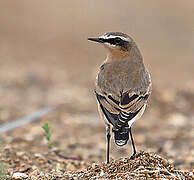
x=46 y=61
x=78 y=133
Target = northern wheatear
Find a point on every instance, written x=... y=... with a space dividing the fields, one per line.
x=122 y=88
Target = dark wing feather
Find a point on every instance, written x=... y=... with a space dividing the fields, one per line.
x=110 y=116
x=125 y=99
x=119 y=113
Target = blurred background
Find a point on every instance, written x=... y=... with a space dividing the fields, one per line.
x=46 y=60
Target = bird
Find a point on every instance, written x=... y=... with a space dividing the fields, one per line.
x=123 y=86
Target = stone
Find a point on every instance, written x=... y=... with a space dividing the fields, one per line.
x=19 y=175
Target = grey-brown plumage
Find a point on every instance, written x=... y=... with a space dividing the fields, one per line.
x=123 y=86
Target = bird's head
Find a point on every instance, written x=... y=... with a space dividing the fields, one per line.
x=118 y=43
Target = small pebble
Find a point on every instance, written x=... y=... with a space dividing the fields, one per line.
x=19 y=175
x=101 y=173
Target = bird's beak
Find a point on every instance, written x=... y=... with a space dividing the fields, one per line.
x=99 y=40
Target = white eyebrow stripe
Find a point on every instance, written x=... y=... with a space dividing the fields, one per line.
x=111 y=36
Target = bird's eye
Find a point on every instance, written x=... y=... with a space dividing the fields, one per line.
x=117 y=40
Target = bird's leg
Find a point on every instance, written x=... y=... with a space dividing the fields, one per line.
x=133 y=144
x=108 y=143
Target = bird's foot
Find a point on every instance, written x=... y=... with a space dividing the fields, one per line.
x=132 y=156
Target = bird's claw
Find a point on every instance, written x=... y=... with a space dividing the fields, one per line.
x=132 y=156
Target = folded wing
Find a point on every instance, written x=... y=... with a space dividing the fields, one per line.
x=120 y=110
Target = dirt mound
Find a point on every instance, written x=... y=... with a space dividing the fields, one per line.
x=51 y=166
x=144 y=165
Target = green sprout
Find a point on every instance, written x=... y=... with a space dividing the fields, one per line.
x=47 y=134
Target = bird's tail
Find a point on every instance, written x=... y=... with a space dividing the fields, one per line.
x=121 y=137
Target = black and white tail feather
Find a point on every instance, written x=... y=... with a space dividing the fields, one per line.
x=121 y=112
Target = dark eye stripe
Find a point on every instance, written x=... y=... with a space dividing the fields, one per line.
x=115 y=41
x=111 y=41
